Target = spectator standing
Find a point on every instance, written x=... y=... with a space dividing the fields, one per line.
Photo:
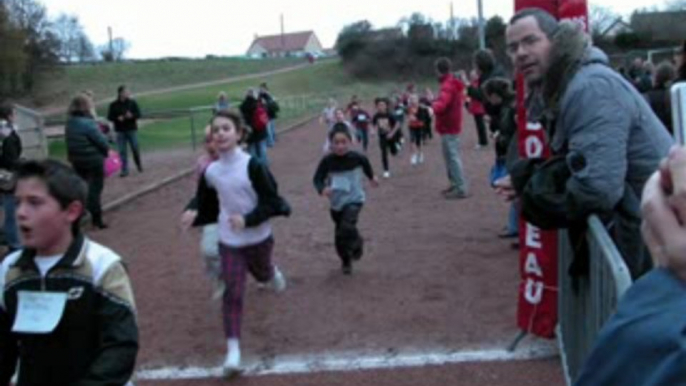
x=124 y=114
x=11 y=146
x=86 y=150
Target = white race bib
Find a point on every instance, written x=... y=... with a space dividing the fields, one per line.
x=39 y=312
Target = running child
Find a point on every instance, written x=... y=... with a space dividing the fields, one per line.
x=339 y=178
x=418 y=120
x=477 y=109
x=361 y=120
x=209 y=242
x=67 y=311
x=339 y=117
x=385 y=124
x=242 y=194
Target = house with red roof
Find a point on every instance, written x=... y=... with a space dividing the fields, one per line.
x=298 y=44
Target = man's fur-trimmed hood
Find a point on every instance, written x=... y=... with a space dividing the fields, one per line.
x=571 y=50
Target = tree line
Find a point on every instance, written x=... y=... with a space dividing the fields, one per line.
x=33 y=45
x=409 y=49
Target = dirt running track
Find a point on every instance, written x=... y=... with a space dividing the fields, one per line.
x=434 y=276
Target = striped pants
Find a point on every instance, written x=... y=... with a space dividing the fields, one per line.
x=236 y=263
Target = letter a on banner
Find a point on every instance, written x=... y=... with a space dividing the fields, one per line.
x=537 y=309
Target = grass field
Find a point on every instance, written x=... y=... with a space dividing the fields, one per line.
x=104 y=78
x=300 y=94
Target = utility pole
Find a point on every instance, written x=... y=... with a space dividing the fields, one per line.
x=482 y=33
x=109 y=33
x=452 y=22
x=283 y=37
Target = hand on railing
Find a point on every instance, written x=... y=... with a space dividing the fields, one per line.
x=664 y=214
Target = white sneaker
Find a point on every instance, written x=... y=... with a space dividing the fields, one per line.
x=421 y=158
x=386 y=175
x=414 y=159
x=232 y=363
x=278 y=282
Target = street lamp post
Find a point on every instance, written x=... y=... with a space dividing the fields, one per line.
x=482 y=33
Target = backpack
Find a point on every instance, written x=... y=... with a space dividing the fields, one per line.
x=260 y=118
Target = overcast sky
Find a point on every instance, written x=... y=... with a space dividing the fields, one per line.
x=157 y=28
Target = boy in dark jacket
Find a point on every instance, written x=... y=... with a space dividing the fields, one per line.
x=339 y=178
x=67 y=310
x=124 y=114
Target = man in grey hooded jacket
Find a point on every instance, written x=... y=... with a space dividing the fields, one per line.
x=608 y=134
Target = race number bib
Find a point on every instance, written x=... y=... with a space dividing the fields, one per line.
x=39 y=312
x=362 y=118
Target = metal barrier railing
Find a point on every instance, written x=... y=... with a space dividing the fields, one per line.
x=586 y=303
x=31 y=131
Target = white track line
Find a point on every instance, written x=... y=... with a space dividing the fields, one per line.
x=332 y=362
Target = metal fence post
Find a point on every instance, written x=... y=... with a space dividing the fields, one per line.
x=192 y=115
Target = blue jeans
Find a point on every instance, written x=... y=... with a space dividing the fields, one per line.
x=453 y=162
x=131 y=138
x=271 y=133
x=259 y=151
x=9 y=205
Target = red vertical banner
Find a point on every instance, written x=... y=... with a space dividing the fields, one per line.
x=537 y=305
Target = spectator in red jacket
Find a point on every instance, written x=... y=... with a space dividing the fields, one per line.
x=477 y=109
x=448 y=110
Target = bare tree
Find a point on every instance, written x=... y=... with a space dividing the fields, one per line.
x=119 y=48
x=601 y=18
x=85 y=51
x=675 y=5
x=68 y=31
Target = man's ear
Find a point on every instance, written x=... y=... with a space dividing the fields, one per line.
x=74 y=211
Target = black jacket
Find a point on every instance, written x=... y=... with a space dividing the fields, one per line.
x=248 y=108
x=270 y=204
x=271 y=105
x=118 y=109
x=96 y=340
x=11 y=151
x=86 y=146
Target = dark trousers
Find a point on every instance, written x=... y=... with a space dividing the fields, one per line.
x=386 y=145
x=363 y=136
x=94 y=175
x=481 y=129
x=125 y=139
x=349 y=243
x=236 y=263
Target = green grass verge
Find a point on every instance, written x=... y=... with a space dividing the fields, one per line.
x=104 y=78
x=301 y=93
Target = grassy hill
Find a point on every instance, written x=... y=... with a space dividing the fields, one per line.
x=300 y=93
x=141 y=76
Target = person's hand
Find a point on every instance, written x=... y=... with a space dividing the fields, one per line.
x=374 y=182
x=663 y=229
x=237 y=222
x=187 y=219
x=121 y=118
x=495 y=135
x=327 y=192
x=504 y=188
x=128 y=115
